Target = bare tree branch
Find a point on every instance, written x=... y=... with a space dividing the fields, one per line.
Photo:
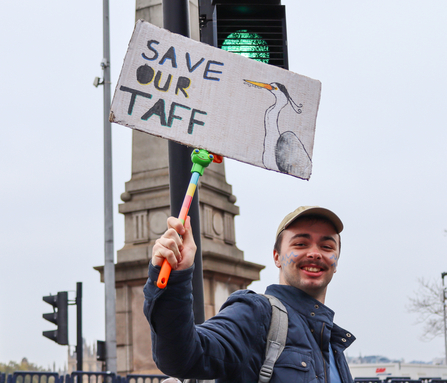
x=427 y=302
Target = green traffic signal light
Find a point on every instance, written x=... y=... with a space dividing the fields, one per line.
x=248 y=44
x=256 y=29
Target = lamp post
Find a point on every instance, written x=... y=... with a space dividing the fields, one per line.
x=109 y=265
x=443 y=308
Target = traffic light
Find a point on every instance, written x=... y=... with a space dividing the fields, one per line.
x=101 y=350
x=59 y=317
x=254 y=29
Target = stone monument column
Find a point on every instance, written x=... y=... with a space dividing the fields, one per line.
x=146 y=206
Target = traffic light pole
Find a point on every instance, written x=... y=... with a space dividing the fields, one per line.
x=206 y=10
x=79 y=345
x=176 y=19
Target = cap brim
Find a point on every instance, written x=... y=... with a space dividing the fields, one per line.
x=330 y=215
x=311 y=210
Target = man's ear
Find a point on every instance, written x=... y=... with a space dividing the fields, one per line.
x=276 y=259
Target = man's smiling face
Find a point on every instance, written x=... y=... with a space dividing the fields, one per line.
x=308 y=256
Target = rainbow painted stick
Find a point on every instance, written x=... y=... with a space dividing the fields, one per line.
x=200 y=159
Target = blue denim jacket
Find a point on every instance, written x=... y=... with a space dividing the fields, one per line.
x=230 y=347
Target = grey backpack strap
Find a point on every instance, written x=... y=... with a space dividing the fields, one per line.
x=276 y=338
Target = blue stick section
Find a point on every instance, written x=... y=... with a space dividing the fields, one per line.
x=194 y=178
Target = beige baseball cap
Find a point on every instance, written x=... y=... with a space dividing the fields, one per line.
x=310 y=210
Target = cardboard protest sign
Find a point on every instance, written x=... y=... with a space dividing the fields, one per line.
x=189 y=92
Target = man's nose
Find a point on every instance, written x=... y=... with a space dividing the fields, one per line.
x=314 y=253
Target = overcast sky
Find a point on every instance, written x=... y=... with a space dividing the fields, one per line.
x=379 y=162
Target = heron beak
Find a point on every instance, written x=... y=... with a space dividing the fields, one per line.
x=260 y=84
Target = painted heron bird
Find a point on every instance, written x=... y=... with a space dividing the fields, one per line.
x=283 y=149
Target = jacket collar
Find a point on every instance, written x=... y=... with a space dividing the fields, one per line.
x=313 y=310
x=303 y=303
x=341 y=337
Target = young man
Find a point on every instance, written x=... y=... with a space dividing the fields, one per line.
x=230 y=347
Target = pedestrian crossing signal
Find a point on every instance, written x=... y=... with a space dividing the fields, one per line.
x=257 y=31
x=248 y=44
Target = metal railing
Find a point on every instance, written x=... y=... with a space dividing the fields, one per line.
x=110 y=377
x=135 y=378
x=398 y=379
x=34 y=377
x=78 y=377
x=92 y=377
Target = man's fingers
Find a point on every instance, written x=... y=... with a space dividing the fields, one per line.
x=168 y=247
x=176 y=224
x=176 y=245
x=188 y=239
x=172 y=241
x=161 y=254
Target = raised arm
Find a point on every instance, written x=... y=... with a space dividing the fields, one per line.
x=217 y=348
